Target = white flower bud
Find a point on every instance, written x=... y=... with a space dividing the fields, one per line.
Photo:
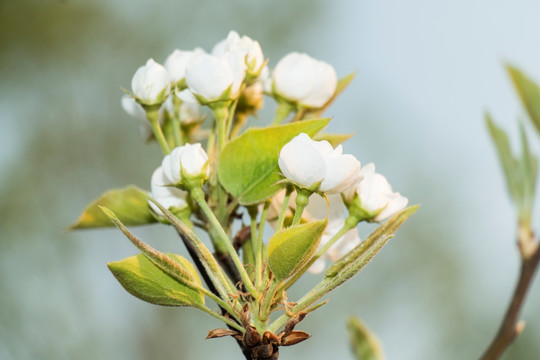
x=302 y=79
x=249 y=48
x=375 y=194
x=151 y=83
x=177 y=62
x=209 y=77
x=189 y=160
x=136 y=111
x=164 y=193
x=306 y=162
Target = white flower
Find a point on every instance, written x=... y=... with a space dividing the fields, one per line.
x=348 y=242
x=306 y=162
x=177 y=62
x=188 y=160
x=189 y=111
x=164 y=193
x=375 y=194
x=304 y=80
x=249 y=48
x=135 y=110
x=150 y=84
x=211 y=76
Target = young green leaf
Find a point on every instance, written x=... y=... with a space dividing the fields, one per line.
x=333 y=139
x=290 y=249
x=144 y=280
x=520 y=173
x=365 y=345
x=362 y=254
x=129 y=204
x=529 y=93
x=248 y=165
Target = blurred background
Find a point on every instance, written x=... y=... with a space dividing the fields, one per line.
x=426 y=73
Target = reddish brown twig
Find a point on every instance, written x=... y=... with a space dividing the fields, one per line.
x=511 y=327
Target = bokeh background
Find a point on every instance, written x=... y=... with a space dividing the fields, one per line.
x=426 y=73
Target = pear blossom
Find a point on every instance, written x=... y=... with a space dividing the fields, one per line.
x=151 y=83
x=165 y=193
x=177 y=62
x=215 y=78
x=301 y=79
x=136 y=111
x=375 y=195
x=249 y=48
x=189 y=160
x=307 y=162
x=189 y=111
x=348 y=242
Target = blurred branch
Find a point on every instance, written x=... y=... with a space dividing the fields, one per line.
x=511 y=327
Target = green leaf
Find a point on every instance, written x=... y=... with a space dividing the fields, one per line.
x=333 y=139
x=144 y=280
x=528 y=92
x=129 y=204
x=364 y=344
x=361 y=255
x=342 y=84
x=520 y=173
x=248 y=165
x=290 y=249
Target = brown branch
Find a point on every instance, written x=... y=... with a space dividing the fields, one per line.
x=210 y=284
x=511 y=327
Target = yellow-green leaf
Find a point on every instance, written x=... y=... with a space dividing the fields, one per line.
x=364 y=343
x=248 y=165
x=361 y=255
x=333 y=139
x=144 y=280
x=528 y=92
x=129 y=204
x=290 y=249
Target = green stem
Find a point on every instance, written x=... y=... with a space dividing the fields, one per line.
x=283 y=110
x=226 y=320
x=302 y=199
x=177 y=132
x=230 y=118
x=259 y=246
x=152 y=114
x=218 y=300
x=284 y=207
x=221 y=115
x=268 y=299
x=198 y=195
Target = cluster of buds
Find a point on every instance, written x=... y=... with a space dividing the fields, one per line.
x=217 y=175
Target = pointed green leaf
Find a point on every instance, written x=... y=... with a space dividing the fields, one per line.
x=364 y=344
x=529 y=93
x=248 y=165
x=129 y=204
x=507 y=160
x=333 y=139
x=290 y=249
x=529 y=169
x=342 y=84
x=144 y=280
x=520 y=173
x=361 y=255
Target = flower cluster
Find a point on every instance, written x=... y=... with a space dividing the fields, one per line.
x=219 y=176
